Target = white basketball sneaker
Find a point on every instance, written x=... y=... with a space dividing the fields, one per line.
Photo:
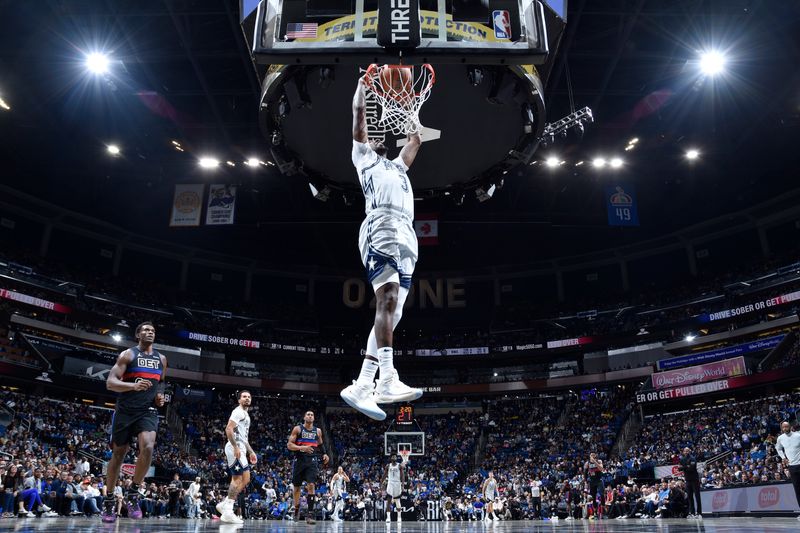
x=393 y=390
x=229 y=518
x=361 y=399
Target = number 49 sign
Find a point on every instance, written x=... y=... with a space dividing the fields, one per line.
x=622 y=207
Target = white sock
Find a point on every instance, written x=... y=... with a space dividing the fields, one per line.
x=368 y=370
x=385 y=359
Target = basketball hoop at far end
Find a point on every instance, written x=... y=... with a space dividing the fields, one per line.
x=404 y=456
x=400 y=91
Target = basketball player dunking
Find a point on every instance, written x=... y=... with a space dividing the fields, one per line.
x=594 y=475
x=394 y=476
x=388 y=248
x=305 y=441
x=489 y=491
x=135 y=376
x=337 y=491
x=236 y=448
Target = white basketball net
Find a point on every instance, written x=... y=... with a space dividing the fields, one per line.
x=400 y=107
x=404 y=455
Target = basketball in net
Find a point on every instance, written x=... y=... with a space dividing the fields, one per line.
x=400 y=91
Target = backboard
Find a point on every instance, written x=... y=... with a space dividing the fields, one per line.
x=413 y=441
x=501 y=32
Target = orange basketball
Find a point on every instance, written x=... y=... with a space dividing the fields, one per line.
x=396 y=80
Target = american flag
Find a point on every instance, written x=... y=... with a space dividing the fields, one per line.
x=296 y=30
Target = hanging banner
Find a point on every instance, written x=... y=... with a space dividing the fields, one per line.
x=622 y=206
x=697 y=374
x=427 y=229
x=187 y=205
x=751 y=307
x=34 y=301
x=721 y=353
x=221 y=205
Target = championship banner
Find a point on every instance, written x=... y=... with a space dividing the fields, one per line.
x=751 y=308
x=722 y=353
x=221 y=205
x=622 y=206
x=427 y=229
x=700 y=373
x=34 y=301
x=761 y=498
x=187 y=205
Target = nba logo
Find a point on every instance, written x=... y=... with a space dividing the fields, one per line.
x=502 y=24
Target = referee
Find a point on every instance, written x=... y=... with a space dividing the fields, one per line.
x=788 y=447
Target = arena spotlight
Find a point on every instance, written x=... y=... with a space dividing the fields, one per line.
x=552 y=162
x=598 y=162
x=97 y=63
x=4 y=104
x=252 y=162
x=615 y=162
x=712 y=62
x=692 y=154
x=112 y=149
x=690 y=337
x=208 y=162
x=116 y=337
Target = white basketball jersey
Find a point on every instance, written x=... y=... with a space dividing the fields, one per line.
x=383 y=182
x=394 y=474
x=491 y=486
x=242 y=429
x=338 y=485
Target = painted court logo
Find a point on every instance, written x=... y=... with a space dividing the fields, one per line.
x=768 y=496
x=720 y=500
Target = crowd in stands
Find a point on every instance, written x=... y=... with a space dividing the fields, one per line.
x=743 y=433
x=51 y=454
x=791 y=357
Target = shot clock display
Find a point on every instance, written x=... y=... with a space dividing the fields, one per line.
x=405 y=415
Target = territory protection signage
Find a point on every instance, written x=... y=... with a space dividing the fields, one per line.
x=398 y=24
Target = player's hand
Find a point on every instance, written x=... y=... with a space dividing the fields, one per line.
x=236 y=451
x=252 y=457
x=160 y=400
x=142 y=385
x=325 y=459
x=307 y=449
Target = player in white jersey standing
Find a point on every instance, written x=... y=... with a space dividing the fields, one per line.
x=489 y=490
x=393 y=477
x=237 y=432
x=388 y=247
x=337 y=491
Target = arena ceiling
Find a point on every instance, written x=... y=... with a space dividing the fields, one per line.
x=180 y=71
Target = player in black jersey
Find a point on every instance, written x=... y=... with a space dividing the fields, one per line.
x=137 y=377
x=593 y=468
x=305 y=441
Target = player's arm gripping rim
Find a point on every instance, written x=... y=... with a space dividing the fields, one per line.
x=360 y=113
x=409 y=151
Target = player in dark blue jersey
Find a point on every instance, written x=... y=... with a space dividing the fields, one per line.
x=306 y=443
x=137 y=376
